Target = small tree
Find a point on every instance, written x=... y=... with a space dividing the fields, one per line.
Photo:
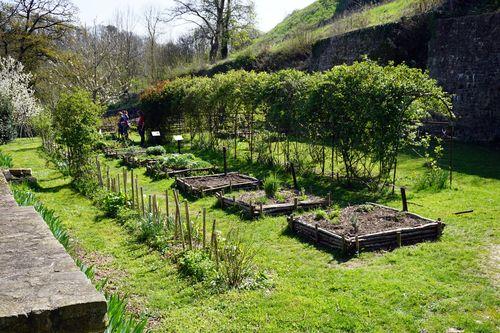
x=15 y=85
x=75 y=122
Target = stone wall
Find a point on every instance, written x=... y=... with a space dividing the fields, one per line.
x=402 y=41
x=464 y=56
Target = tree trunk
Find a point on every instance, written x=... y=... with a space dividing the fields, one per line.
x=224 y=52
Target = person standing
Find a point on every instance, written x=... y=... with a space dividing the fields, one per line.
x=125 y=125
x=141 y=127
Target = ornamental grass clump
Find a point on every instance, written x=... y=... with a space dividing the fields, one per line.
x=5 y=160
x=271 y=185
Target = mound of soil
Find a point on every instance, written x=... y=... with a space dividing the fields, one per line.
x=284 y=196
x=364 y=219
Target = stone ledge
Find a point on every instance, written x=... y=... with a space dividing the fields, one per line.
x=41 y=288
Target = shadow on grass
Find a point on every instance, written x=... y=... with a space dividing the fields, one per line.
x=482 y=161
x=337 y=256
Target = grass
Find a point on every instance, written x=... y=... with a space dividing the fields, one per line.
x=430 y=286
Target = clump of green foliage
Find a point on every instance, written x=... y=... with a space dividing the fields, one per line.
x=111 y=202
x=5 y=160
x=197 y=264
x=152 y=232
x=183 y=161
x=156 y=150
x=271 y=185
x=321 y=215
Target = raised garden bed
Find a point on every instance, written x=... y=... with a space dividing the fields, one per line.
x=255 y=203
x=202 y=185
x=365 y=227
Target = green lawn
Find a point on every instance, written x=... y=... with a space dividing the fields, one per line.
x=452 y=283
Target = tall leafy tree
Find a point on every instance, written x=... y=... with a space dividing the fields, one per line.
x=216 y=19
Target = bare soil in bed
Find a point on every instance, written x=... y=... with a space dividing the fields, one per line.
x=284 y=196
x=209 y=182
x=369 y=219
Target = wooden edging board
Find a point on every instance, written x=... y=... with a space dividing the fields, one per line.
x=255 y=210
x=183 y=184
x=380 y=240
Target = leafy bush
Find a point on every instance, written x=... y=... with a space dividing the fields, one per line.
x=111 y=203
x=5 y=160
x=271 y=185
x=156 y=150
x=196 y=264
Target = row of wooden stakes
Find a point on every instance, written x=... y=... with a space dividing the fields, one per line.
x=135 y=199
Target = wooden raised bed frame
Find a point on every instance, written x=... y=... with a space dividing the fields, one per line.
x=256 y=210
x=380 y=240
x=183 y=184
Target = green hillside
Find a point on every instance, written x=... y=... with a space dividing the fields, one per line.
x=325 y=18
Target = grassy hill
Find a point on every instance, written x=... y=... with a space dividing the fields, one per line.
x=325 y=18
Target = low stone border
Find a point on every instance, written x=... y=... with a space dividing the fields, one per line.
x=381 y=240
x=256 y=210
x=185 y=185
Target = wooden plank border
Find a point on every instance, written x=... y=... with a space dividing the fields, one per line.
x=183 y=184
x=255 y=210
x=388 y=239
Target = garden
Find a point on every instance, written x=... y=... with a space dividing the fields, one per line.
x=299 y=202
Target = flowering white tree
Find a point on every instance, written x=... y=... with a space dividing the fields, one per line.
x=15 y=87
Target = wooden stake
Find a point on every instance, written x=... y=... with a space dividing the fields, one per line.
x=213 y=238
x=188 y=224
x=125 y=177
x=149 y=204
x=108 y=179
x=357 y=244
x=118 y=184
x=403 y=199
x=204 y=226
x=132 y=187
x=99 y=174
x=329 y=199
x=142 y=203
x=167 y=211
x=137 y=192
x=295 y=203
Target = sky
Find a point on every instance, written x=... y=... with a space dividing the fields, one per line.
x=269 y=13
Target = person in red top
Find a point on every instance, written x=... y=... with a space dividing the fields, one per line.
x=141 y=127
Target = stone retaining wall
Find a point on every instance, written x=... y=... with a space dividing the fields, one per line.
x=41 y=288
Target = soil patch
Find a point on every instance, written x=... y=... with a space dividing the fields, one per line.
x=363 y=219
